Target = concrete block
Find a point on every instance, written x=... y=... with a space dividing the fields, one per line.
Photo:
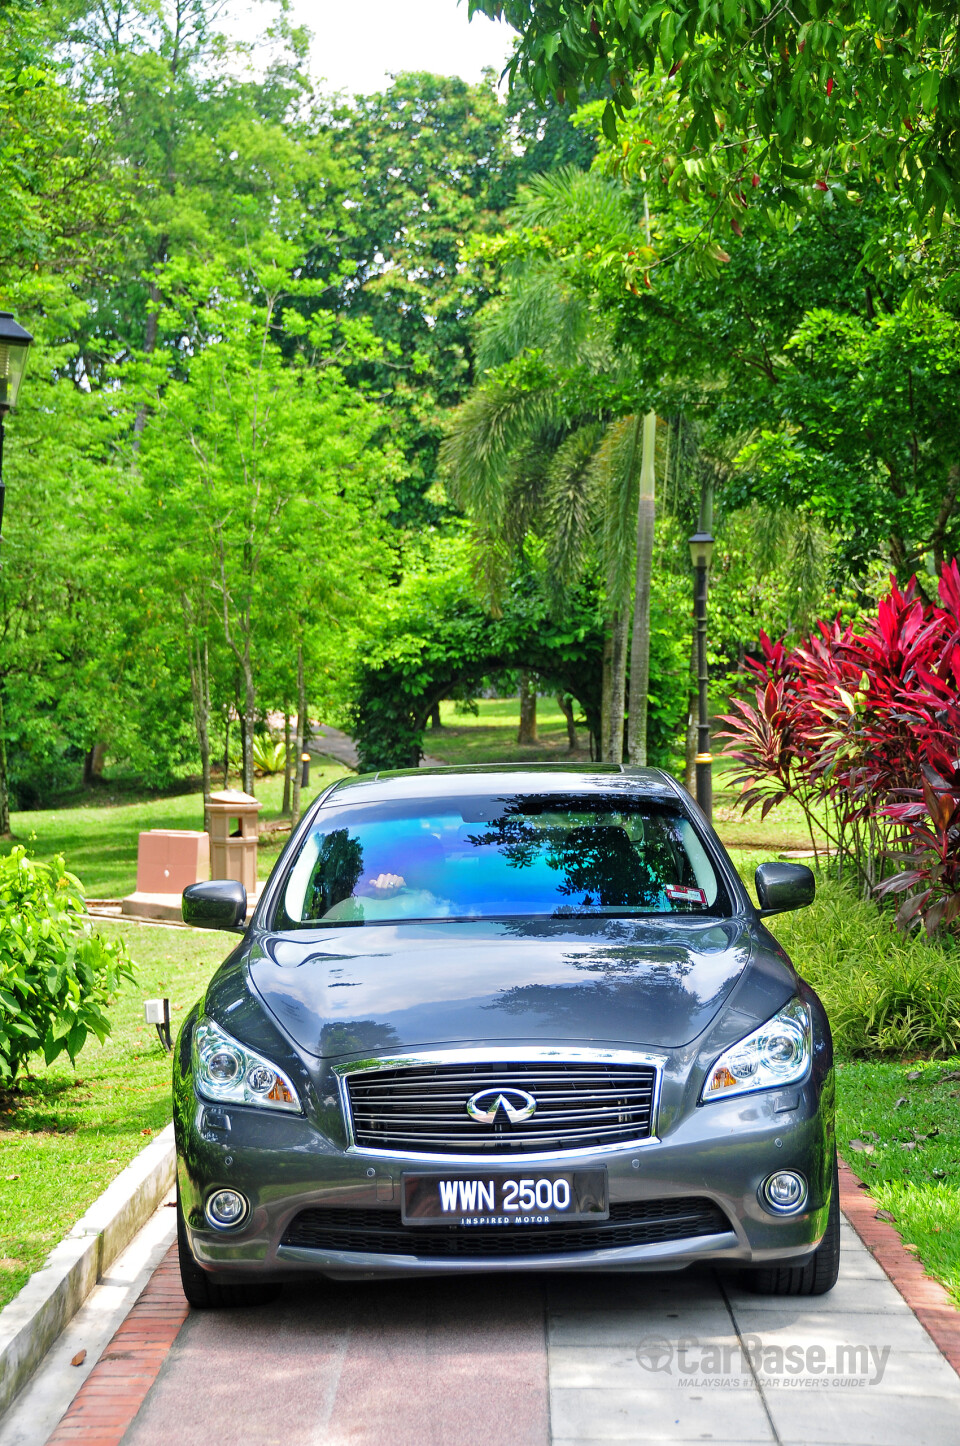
x=168 y=859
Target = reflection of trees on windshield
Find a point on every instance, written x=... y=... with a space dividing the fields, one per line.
x=335 y=874
x=604 y=863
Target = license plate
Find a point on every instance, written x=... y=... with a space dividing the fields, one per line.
x=493 y=1199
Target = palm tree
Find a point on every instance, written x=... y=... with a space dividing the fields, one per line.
x=531 y=449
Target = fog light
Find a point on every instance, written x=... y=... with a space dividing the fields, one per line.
x=784 y=1192
x=225 y=1208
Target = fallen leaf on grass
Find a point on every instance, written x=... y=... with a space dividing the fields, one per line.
x=13 y=1177
x=913 y=1249
x=146 y=1132
x=914 y=1074
x=901 y=1101
x=885 y=1215
x=954 y=1074
x=939 y=1175
x=908 y=1144
x=860 y=1148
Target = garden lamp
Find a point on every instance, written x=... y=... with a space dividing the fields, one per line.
x=14 y=344
x=701 y=551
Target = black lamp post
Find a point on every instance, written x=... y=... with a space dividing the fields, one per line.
x=14 y=344
x=701 y=550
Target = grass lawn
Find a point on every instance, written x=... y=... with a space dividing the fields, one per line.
x=902 y=1137
x=491 y=735
x=99 y=839
x=71 y=1131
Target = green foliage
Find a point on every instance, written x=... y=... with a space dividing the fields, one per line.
x=887 y=994
x=433 y=636
x=851 y=89
x=871 y=410
x=63 y=1138
x=56 y=975
x=269 y=755
x=434 y=161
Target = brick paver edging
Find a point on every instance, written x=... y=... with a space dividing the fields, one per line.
x=116 y=1388
x=925 y=1296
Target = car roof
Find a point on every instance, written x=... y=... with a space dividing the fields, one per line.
x=514 y=778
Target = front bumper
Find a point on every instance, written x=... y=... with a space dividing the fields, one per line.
x=719 y=1152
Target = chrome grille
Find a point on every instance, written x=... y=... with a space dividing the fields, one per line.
x=422 y=1108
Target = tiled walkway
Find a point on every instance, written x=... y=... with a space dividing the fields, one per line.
x=525 y=1361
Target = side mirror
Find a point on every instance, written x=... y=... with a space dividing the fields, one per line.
x=781 y=887
x=218 y=904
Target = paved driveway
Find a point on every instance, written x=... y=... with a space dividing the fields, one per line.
x=524 y=1361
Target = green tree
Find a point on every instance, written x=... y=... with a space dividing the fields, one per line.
x=551 y=440
x=434 y=161
x=871 y=411
x=263 y=483
x=847 y=87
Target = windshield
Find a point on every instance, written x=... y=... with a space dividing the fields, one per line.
x=488 y=858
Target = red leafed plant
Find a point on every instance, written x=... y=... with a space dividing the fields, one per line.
x=862 y=729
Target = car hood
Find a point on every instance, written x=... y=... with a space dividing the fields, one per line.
x=654 y=982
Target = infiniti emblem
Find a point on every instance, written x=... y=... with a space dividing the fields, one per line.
x=484 y=1106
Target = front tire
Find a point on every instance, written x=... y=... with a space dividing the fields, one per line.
x=204 y=1291
x=818 y=1274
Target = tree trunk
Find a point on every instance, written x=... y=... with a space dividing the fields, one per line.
x=4 y=791
x=565 y=704
x=606 y=694
x=202 y=719
x=435 y=721
x=226 y=746
x=613 y=751
x=285 y=808
x=301 y=734
x=198 y=668
x=249 y=715
x=640 y=644
x=528 y=708
x=93 y=764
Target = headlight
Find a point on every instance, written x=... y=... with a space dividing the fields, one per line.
x=778 y=1053
x=232 y=1073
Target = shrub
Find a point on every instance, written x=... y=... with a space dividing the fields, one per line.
x=56 y=974
x=269 y=755
x=861 y=728
x=885 y=994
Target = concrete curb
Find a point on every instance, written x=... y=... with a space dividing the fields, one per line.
x=32 y=1321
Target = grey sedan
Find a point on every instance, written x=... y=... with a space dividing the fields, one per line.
x=504 y=1019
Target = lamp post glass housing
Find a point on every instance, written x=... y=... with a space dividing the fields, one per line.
x=701 y=551
x=14 y=345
